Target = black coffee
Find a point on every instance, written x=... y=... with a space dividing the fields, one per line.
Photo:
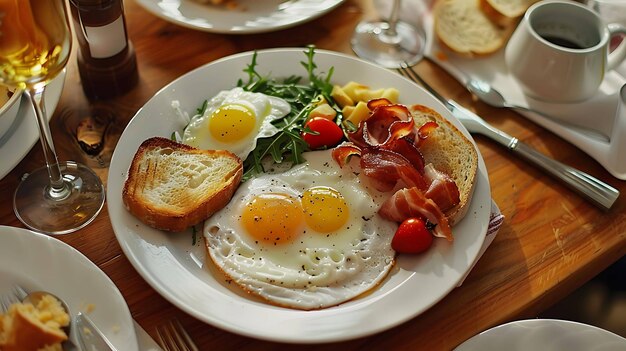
x=566 y=43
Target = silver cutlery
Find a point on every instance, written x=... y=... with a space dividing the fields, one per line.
x=173 y=337
x=487 y=94
x=598 y=192
x=91 y=338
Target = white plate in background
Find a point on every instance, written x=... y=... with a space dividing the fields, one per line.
x=23 y=134
x=176 y=268
x=544 y=335
x=40 y=262
x=252 y=16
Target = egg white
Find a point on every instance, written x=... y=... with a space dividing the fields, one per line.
x=266 y=109
x=315 y=270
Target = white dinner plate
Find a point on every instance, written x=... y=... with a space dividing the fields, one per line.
x=176 y=268
x=23 y=134
x=40 y=262
x=544 y=335
x=253 y=16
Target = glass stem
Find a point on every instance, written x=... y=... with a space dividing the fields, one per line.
x=393 y=19
x=58 y=189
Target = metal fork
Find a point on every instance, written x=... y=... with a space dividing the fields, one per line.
x=173 y=337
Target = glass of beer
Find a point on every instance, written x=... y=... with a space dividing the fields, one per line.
x=35 y=43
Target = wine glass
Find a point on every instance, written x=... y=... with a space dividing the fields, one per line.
x=35 y=43
x=389 y=43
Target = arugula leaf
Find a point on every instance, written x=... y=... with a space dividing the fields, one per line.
x=287 y=144
x=200 y=110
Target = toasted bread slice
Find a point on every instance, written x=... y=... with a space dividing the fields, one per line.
x=172 y=186
x=505 y=12
x=451 y=152
x=464 y=28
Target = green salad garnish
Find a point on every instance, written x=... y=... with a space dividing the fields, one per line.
x=287 y=144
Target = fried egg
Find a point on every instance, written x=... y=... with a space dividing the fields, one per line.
x=233 y=120
x=306 y=238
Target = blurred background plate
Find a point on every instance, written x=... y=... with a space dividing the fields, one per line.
x=252 y=16
x=545 y=335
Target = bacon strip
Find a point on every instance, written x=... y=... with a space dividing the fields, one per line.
x=386 y=122
x=388 y=144
x=408 y=149
x=388 y=167
x=442 y=189
x=412 y=202
x=424 y=131
x=342 y=153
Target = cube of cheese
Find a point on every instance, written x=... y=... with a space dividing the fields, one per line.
x=341 y=98
x=350 y=88
x=391 y=94
x=347 y=111
x=368 y=94
x=360 y=113
x=324 y=111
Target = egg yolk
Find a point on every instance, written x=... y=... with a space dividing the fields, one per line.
x=325 y=209
x=231 y=123
x=272 y=217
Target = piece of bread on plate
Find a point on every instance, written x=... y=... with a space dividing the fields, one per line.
x=172 y=186
x=452 y=153
x=464 y=28
x=26 y=327
x=505 y=12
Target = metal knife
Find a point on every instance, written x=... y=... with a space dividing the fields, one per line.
x=599 y=193
x=89 y=336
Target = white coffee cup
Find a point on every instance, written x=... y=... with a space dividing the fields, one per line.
x=560 y=51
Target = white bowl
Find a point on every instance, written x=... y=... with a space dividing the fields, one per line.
x=8 y=111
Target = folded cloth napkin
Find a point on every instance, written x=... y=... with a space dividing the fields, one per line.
x=495 y=222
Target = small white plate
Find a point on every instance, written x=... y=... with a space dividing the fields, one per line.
x=177 y=269
x=253 y=16
x=40 y=262
x=544 y=335
x=22 y=135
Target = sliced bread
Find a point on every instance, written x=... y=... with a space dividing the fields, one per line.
x=451 y=152
x=504 y=12
x=172 y=186
x=464 y=28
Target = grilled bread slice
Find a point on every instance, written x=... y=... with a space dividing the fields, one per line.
x=450 y=152
x=464 y=28
x=172 y=186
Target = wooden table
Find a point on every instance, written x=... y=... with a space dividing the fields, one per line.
x=552 y=241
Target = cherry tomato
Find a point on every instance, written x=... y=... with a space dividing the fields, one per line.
x=328 y=134
x=412 y=236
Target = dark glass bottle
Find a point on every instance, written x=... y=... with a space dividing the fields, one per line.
x=106 y=59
